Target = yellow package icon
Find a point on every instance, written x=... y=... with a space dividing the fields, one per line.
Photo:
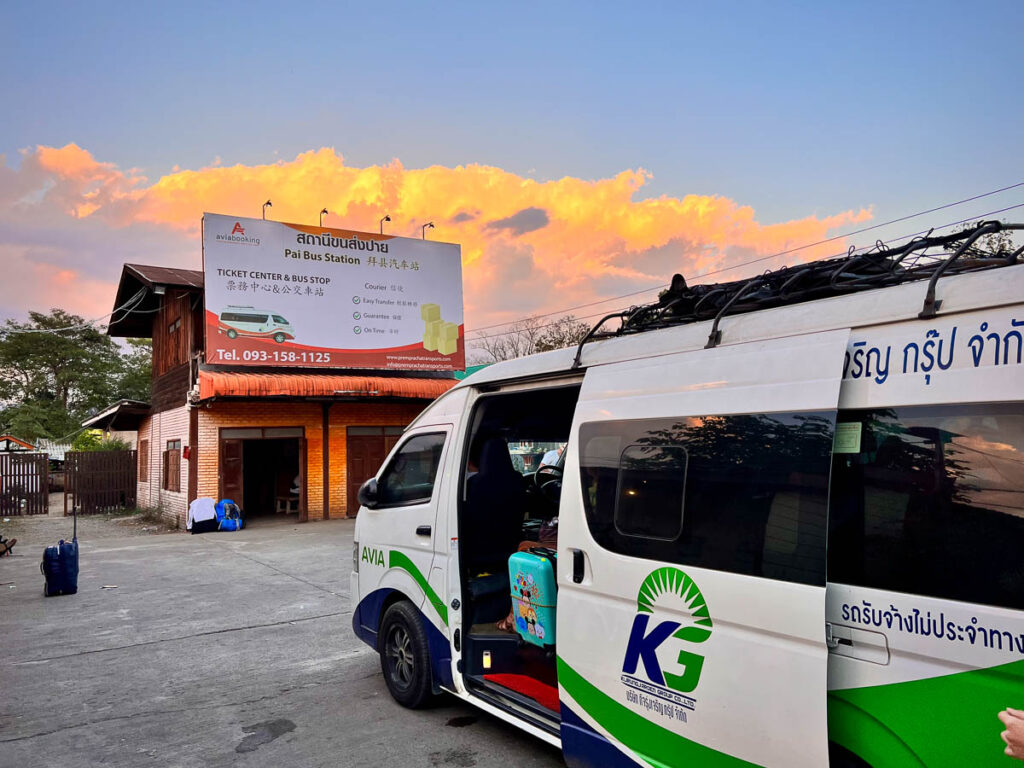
x=448 y=341
x=430 y=312
x=432 y=334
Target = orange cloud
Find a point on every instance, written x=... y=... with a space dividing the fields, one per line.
x=528 y=246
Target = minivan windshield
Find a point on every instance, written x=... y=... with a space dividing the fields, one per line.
x=528 y=456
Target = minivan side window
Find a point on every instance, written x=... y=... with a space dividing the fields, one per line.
x=409 y=477
x=240 y=317
x=929 y=500
x=740 y=493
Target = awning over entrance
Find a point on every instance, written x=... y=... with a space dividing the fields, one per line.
x=231 y=384
x=123 y=415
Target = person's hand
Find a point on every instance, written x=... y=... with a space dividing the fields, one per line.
x=1013 y=719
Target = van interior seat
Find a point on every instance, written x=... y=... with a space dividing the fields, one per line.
x=495 y=504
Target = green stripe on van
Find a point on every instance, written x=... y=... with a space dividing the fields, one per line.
x=657 y=746
x=399 y=560
x=945 y=720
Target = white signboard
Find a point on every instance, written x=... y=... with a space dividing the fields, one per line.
x=293 y=295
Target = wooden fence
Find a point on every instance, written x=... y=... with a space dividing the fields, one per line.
x=99 y=481
x=24 y=484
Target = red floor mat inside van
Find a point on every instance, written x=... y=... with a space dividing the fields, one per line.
x=543 y=694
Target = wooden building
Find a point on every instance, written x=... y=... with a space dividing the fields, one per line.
x=277 y=441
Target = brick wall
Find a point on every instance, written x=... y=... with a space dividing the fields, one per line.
x=158 y=429
x=269 y=413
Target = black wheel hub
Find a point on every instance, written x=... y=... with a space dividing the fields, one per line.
x=401 y=664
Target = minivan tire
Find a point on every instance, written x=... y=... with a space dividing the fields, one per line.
x=232 y=333
x=405 y=656
x=279 y=338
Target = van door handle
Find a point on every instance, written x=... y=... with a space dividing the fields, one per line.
x=577 y=565
x=423 y=530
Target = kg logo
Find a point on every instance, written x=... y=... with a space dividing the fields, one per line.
x=667 y=592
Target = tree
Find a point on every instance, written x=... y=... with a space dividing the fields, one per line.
x=527 y=336
x=995 y=242
x=56 y=369
x=566 y=331
x=136 y=370
x=94 y=440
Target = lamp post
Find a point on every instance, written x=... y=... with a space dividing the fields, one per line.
x=424 y=228
x=266 y=205
x=381 y=222
x=322 y=214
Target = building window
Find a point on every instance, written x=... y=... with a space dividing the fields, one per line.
x=144 y=461
x=172 y=466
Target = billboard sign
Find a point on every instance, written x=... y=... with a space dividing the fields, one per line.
x=299 y=296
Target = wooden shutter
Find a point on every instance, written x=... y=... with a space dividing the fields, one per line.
x=174 y=464
x=303 y=508
x=144 y=461
x=231 y=471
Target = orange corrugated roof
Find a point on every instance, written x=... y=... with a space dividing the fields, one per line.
x=234 y=384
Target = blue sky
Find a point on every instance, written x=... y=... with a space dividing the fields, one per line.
x=792 y=108
x=836 y=114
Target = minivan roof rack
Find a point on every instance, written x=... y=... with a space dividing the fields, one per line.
x=928 y=257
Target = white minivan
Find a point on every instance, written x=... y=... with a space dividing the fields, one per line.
x=238 y=321
x=789 y=521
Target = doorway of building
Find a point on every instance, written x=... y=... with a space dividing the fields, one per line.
x=271 y=481
x=365 y=450
x=263 y=470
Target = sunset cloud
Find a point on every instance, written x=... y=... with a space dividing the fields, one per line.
x=528 y=246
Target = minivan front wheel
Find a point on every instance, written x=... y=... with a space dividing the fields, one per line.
x=405 y=656
x=279 y=338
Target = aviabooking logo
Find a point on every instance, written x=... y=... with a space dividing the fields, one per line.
x=668 y=589
x=238 y=236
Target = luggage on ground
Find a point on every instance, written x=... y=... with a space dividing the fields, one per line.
x=60 y=566
x=229 y=516
x=202 y=516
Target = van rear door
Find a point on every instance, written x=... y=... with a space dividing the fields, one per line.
x=691 y=608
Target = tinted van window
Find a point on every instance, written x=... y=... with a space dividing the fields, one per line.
x=930 y=501
x=745 y=494
x=409 y=477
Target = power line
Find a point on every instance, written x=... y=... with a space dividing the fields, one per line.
x=133 y=302
x=735 y=266
x=771 y=256
x=128 y=308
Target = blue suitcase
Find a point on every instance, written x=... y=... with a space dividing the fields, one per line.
x=60 y=567
x=534 y=595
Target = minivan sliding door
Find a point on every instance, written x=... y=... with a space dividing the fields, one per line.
x=691 y=607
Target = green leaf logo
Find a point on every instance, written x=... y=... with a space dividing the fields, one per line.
x=671 y=586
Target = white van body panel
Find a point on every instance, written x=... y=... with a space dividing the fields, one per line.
x=765 y=662
x=895 y=304
x=801 y=357
x=967 y=357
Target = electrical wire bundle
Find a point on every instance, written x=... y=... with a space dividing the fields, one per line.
x=926 y=257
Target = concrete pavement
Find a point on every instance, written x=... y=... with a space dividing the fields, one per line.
x=214 y=650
